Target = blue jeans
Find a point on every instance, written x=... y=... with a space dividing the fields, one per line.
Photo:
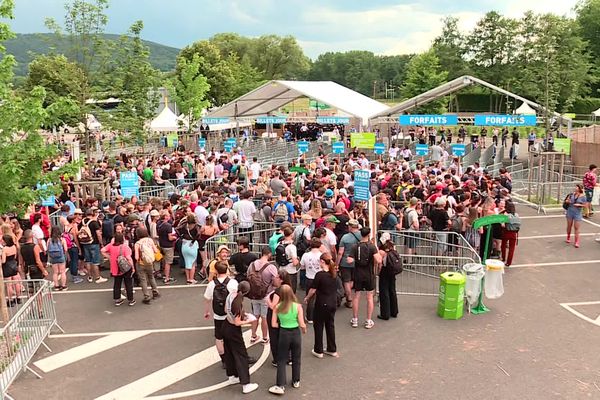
x=91 y=253
x=73 y=260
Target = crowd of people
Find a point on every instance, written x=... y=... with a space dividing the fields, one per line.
x=320 y=253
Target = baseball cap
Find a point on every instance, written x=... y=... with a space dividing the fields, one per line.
x=333 y=219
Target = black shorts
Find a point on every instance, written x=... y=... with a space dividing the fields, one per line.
x=364 y=283
x=347 y=274
x=219 y=328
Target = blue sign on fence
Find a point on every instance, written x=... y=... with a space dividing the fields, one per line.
x=505 y=120
x=362 y=185
x=428 y=119
x=271 y=120
x=130 y=184
x=459 y=150
x=379 y=148
x=338 y=147
x=334 y=120
x=422 y=149
x=214 y=121
x=201 y=143
x=302 y=147
x=49 y=201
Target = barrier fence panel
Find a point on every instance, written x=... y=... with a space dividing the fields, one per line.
x=26 y=330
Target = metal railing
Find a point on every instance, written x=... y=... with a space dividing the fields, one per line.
x=26 y=330
x=162 y=191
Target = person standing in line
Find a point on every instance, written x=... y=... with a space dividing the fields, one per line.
x=510 y=233
x=166 y=241
x=289 y=317
x=311 y=262
x=92 y=230
x=283 y=278
x=388 y=299
x=144 y=252
x=286 y=256
x=324 y=287
x=347 y=242
x=215 y=297
x=57 y=257
x=590 y=181
x=366 y=259
x=576 y=202
x=264 y=273
x=113 y=251
x=236 y=355
x=242 y=259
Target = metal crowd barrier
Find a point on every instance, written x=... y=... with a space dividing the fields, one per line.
x=24 y=333
x=163 y=191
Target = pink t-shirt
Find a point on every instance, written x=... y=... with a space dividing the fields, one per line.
x=114 y=252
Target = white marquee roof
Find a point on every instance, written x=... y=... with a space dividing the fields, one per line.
x=596 y=113
x=275 y=94
x=166 y=121
x=525 y=109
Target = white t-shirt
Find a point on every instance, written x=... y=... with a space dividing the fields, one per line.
x=245 y=210
x=331 y=238
x=201 y=214
x=311 y=262
x=393 y=152
x=38 y=236
x=255 y=168
x=231 y=215
x=291 y=252
x=232 y=286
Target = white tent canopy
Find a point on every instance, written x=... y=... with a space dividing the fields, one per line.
x=525 y=109
x=275 y=94
x=596 y=113
x=166 y=121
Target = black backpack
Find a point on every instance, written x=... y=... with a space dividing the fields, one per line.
x=385 y=225
x=302 y=244
x=220 y=296
x=280 y=257
x=394 y=262
x=362 y=255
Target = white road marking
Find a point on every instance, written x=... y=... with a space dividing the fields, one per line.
x=142 y=331
x=90 y=349
x=550 y=264
x=136 y=288
x=591 y=223
x=542 y=216
x=552 y=236
x=569 y=307
x=168 y=376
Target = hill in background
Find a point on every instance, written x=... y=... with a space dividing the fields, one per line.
x=25 y=46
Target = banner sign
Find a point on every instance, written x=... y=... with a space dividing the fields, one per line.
x=379 y=148
x=333 y=120
x=302 y=147
x=362 y=140
x=362 y=185
x=563 y=145
x=505 y=120
x=428 y=119
x=422 y=149
x=171 y=138
x=229 y=144
x=271 y=120
x=49 y=201
x=130 y=184
x=459 y=150
x=215 y=121
x=338 y=148
x=202 y=143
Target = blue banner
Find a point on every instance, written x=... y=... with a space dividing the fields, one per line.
x=214 y=121
x=427 y=119
x=49 y=201
x=422 y=149
x=202 y=143
x=271 y=120
x=130 y=184
x=459 y=150
x=505 y=120
x=334 y=120
x=362 y=185
x=338 y=148
x=379 y=148
x=302 y=147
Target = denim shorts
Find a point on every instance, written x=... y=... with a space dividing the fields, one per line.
x=259 y=308
x=589 y=194
x=91 y=253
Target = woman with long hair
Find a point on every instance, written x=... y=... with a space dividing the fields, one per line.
x=288 y=316
x=282 y=278
x=189 y=234
x=575 y=201
x=10 y=270
x=509 y=236
x=57 y=257
x=112 y=251
x=316 y=210
x=206 y=232
x=324 y=287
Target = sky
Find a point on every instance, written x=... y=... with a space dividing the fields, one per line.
x=381 y=26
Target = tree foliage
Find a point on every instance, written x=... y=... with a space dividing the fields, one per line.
x=191 y=88
x=422 y=74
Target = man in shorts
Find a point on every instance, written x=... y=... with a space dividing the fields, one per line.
x=259 y=307
x=166 y=241
x=347 y=243
x=366 y=260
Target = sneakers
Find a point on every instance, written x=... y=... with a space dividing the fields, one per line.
x=277 y=389
x=233 y=380
x=90 y=279
x=77 y=280
x=274 y=363
x=354 y=322
x=169 y=281
x=101 y=280
x=333 y=354
x=369 y=324
x=146 y=301
x=63 y=288
x=296 y=384
x=577 y=245
x=318 y=355
x=249 y=388
x=155 y=295
x=81 y=273
x=132 y=303
x=309 y=321
x=119 y=302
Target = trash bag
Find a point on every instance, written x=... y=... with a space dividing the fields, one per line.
x=494 y=286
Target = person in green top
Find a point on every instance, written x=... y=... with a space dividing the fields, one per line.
x=289 y=317
x=147 y=174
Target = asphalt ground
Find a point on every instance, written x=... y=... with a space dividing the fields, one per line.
x=537 y=342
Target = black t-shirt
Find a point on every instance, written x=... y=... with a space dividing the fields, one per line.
x=364 y=271
x=94 y=228
x=326 y=287
x=277 y=292
x=342 y=227
x=164 y=229
x=439 y=219
x=241 y=261
x=119 y=219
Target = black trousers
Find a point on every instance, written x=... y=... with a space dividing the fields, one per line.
x=273 y=337
x=324 y=318
x=310 y=307
x=388 y=299
x=290 y=340
x=294 y=279
x=128 y=280
x=236 y=356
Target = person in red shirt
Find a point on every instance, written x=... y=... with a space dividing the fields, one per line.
x=45 y=224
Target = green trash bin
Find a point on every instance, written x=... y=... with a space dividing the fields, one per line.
x=452 y=295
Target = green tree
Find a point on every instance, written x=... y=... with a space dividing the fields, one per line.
x=191 y=89
x=357 y=70
x=277 y=57
x=422 y=74
x=588 y=22
x=449 y=48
